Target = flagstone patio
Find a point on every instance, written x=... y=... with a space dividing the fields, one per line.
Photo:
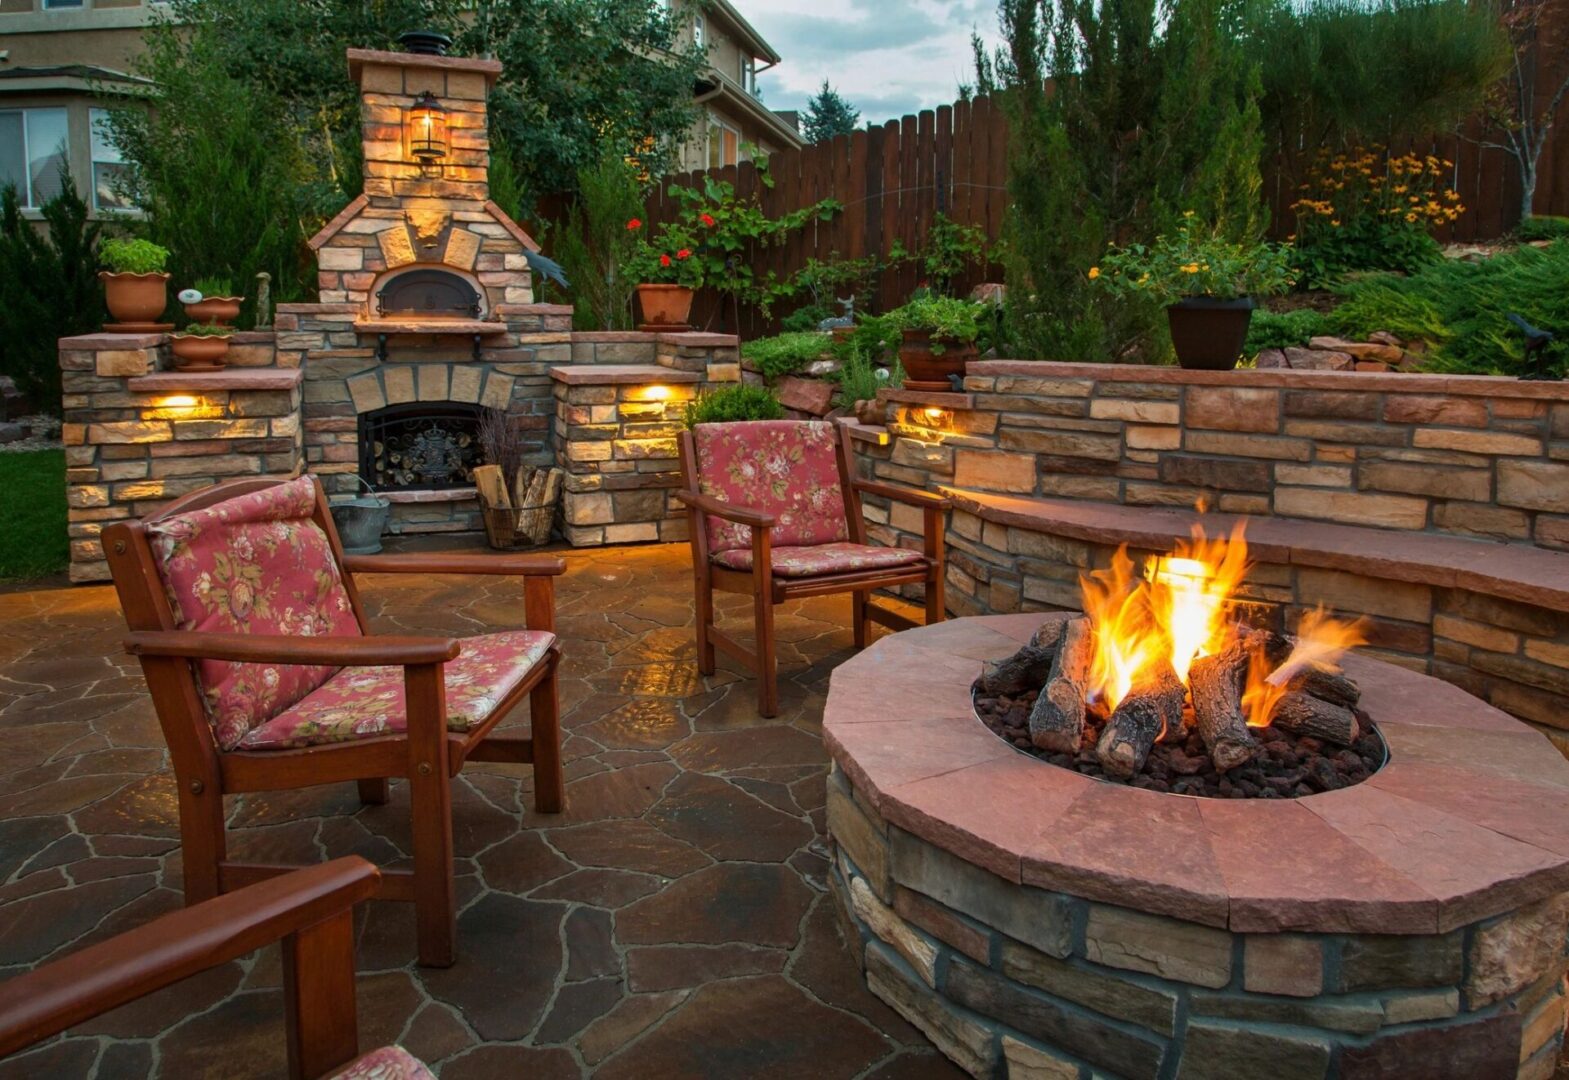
x=673 y=922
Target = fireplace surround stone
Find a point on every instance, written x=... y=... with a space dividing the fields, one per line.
x=1034 y=922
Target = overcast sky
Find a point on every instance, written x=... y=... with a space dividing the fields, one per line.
x=887 y=57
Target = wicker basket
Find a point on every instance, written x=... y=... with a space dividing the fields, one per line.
x=510 y=527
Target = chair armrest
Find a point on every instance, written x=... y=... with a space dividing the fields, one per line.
x=503 y=565
x=741 y=515
x=284 y=649
x=87 y=983
x=900 y=493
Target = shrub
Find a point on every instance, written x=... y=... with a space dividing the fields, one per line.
x=944 y=318
x=48 y=289
x=859 y=379
x=594 y=244
x=1365 y=210
x=786 y=354
x=1193 y=261
x=127 y=256
x=738 y=401
x=1270 y=330
x=1542 y=227
x=207 y=330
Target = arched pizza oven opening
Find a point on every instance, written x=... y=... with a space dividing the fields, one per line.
x=428 y=292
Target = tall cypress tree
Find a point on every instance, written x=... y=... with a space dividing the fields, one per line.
x=1123 y=115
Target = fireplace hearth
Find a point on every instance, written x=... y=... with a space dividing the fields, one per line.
x=420 y=446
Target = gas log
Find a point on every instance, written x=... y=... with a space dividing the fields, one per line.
x=1304 y=714
x=1057 y=718
x=1330 y=686
x=1027 y=669
x=1149 y=710
x=1217 y=683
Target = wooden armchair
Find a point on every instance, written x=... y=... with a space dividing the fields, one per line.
x=775 y=512
x=254 y=643
x=311 y=911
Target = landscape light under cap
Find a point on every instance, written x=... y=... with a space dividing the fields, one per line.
x=428 y=133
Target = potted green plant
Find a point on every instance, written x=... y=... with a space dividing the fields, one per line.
x=669 y=277
x=1208 y=285
x=201 y=347
x=211 y=301
x=135 y=285
x=938 y=335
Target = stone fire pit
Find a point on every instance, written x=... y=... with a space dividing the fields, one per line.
x=1036 y=922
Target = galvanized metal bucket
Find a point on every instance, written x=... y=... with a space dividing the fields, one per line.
x=360 y=521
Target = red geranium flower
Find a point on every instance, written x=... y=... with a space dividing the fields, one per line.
x=635 y=224
x=684 y=253
x=708 y=220
x=664 y=260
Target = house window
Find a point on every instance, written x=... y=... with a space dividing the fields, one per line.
x=108 y=165
x=62 y=5
x=697 y=30
x=33 y=152
x=749 y=73
x=723 y=144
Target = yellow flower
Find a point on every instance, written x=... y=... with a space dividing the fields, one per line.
x=1334 y=221
x=1410 y=218
x=1143 y=278
x=1094 y=272
x=1191 y=268
x=1187 y=213
x=1399 y=189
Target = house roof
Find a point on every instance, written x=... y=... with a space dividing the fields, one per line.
x=719 y=84
x=745 y=31
x=74 y=77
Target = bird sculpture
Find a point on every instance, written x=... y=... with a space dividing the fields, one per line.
x=1536 y=342
x=548 y=269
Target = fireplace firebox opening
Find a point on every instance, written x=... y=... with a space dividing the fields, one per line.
x=420 y=446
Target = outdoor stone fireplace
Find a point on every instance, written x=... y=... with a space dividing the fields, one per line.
x=1033 y=921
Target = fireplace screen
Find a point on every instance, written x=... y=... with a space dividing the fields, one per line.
x=428 y=292
x=420 y=446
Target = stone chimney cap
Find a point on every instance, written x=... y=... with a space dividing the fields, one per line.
x=358 y=58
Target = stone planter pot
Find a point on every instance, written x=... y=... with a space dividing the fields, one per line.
x=198 y=352
x=215 y=310
x=665 y=307
x=135 y=300
x=926 y=369
x=1209 y=334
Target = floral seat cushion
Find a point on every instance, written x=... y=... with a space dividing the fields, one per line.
x=388 y=1063
x=360 y=703
x=822 y=559
x=787 y=468
x=254 y=564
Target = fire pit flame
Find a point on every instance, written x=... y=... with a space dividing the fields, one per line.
x=1321 y=640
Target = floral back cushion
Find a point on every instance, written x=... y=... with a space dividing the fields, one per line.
x=788 y=468
x=255 y=564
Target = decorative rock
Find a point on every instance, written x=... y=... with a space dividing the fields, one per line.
x=806 y=395
x=1299 y=359
x=1517 y=950
x=1359 y=350
x=1134 y=941
x=1272 y=358
x=12 y=432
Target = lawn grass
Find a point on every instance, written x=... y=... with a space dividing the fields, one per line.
x=33 y=543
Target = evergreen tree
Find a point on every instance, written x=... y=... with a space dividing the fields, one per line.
x=1123 y=115
x=828 y=114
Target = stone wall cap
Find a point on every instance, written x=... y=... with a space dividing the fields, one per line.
x=111 y=342
x=613 y=337
x=927 y=397
x=169 y=382
x=534 y=309
x=319 y=309
x=698 y=339
x=620 y=374
x=1469 y=819
x=1519 y=572
x=415 y=325
x=1278 y=378
x=358 y=58
x=342 y=218
x=875 y=434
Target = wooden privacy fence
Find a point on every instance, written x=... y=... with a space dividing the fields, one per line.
x=893 y=181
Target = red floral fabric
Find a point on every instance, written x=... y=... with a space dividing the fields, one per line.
x=388 y=1063
x=788 y=468
x=256 y=564
x=822 y=559
x=358 y=703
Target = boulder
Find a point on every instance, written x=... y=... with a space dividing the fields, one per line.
x=806 y=395
x=1299 y=359
x=1361 y=350
x=1271 y=358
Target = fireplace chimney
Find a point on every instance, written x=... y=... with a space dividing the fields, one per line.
x=424 y=42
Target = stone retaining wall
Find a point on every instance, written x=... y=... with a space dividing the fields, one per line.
x=1010 y=980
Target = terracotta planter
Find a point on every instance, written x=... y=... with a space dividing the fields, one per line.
x=665 y=307
x=215 y=310
x=1209 y=334
x=136 y=300
x=198 y=352
x=925 y=369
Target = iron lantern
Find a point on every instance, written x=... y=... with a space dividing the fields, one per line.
x=428 y=133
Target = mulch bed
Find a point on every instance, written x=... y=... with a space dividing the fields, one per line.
x=1289 y=767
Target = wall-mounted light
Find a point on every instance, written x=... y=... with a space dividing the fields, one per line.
x=427 y=126
x=182 y=407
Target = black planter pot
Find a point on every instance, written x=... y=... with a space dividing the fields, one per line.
x=1209 y=334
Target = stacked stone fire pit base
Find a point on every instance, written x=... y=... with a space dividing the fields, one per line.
x=1035 y=922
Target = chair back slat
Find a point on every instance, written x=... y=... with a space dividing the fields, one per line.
x=787 y=468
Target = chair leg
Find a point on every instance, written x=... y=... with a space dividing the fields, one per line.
x=858 y=601
x=544 y=710
x=936 y=598
x=430 y=805
x=375 y=791
x=705 y=619
x=202 y=846
x=767 y=662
